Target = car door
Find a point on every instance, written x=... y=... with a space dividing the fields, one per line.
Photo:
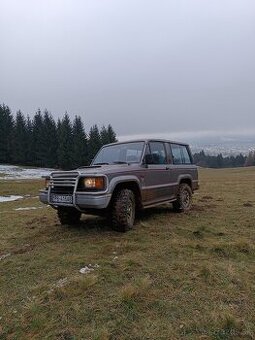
x=156 y=182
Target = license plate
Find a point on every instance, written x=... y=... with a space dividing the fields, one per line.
x=61 y=198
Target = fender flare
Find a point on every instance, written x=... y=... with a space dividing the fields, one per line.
x=185 y=177
x=123 y=179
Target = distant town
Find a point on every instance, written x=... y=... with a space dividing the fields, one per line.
x=226 y=148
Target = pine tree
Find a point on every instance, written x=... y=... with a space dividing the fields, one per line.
x=43 y=142
x=94 y=142
x=29 y=138
x=80 y=145
x=49 y=145
x=200 y=159
x=38 y=154
x=250 y=161
x=111 y=134
x=240 y=160
x=65 y=142
x=20 y=139
x=104 y=136
x=220 y=161
x=6 y=134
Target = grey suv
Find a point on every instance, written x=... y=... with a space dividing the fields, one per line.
x=123 y=178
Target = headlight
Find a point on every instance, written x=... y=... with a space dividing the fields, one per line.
x=97 y=183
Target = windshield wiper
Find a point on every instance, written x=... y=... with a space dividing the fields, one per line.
x=103 y=163
x=119 y=162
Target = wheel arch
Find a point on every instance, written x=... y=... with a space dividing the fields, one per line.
x=131 y=184
x=187 y=180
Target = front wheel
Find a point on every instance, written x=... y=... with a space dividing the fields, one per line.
x=68 y=216
x=184 y=198
x=123 y=210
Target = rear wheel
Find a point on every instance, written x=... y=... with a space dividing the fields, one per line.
x=68 y=216
x=123 y=210
x=184 y=198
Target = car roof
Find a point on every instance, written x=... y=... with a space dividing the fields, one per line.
x=148 y=140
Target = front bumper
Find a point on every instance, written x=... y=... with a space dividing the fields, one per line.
x=80 y=201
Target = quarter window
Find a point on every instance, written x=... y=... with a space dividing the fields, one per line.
x=177 y=155
x=185 y=154
x=180 y=154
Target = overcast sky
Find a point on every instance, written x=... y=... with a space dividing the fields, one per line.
x=144 y=66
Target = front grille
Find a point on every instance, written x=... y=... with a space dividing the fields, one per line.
x=63 y=182
x=62 y=190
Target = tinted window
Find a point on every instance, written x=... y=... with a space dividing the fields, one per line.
x=158 y=153
x=177 y=154
x=180 y=154
x=185 y=154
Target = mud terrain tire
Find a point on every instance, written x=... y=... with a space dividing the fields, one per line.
x=123 y=210
x=184 y=198
x=68 y=216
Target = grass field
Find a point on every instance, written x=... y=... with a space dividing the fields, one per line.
x=175 y=276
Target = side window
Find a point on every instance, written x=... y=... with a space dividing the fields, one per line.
x=177 y=154
x=186 y=157
x=180 y=154
x=158 y=153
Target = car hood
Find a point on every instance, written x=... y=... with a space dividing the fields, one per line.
x=100 y=169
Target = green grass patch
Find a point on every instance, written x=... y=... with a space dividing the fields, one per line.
x=174 y=276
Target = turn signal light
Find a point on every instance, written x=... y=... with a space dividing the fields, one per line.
x=46 y=182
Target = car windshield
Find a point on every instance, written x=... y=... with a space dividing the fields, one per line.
x=120 y=154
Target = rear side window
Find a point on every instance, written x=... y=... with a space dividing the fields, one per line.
x=156 y=153
x=176 y=153
x=180 y=154
x=185 y=154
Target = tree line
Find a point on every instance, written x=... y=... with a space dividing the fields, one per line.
x=44 y=142
x=250 y=159
x=219 y=161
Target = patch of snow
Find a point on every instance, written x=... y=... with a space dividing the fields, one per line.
x=2 y=257
x=86 y=270
x=28 y=208
x=89 y=268
x=9 y=198
x=12 y=172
